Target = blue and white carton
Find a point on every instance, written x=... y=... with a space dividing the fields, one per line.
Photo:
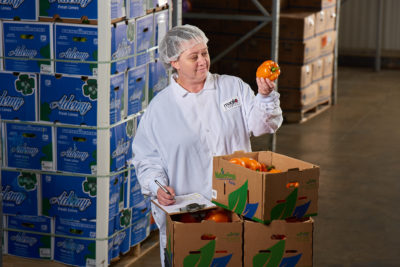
x=21 y=193
x=18 y=99
x=76 y=150
x=75 y=197
x=144 y=38
x=136 y=8
x=29 y=146
x=19 y=9
x=29 y=237
x=134 y=190
x=117 y=91
x=158 y=78
x=121 y=242
x=140 y=229
x=122 y=46
x=156 y=3
x=68 y=99
x=28 y=46
x=77 y=46
x=75 y=241
x=161 y=27
x=121 y=137
x=118 y=9
x=68 y=9
x=136 y=87
x=141 y=209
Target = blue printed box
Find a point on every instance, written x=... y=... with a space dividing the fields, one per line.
x=136 y=87
x=141 y=209
x=161 y=26
x=140 y=229
x=158 y=78
x=21 y=194
x=135 y=191
x=136 y=8
x=29 y=146
x=117 y=90
x=75 y=197
x=28 y=46
x=121 y=243
x=144 y=38
x=156 y=3
x=76 y=44
x=121 y=145
x=71 y=249
x=18 y=96
x=122 y=46
x=68 y=9
x=19 y=9
x=77 y=150
x=36 y=244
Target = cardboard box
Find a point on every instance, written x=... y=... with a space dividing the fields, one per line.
x=330 y=21
x=28 y=40
x=325 y=89
x=135 y=8
x=76 y=43
x=262 y=196
x=161 y=26
x=28 y=146
x=295 y=76
x=300 y=98
x=327 y=62
x=144 y=38
x=18 y=96
x=317 y=66
x=19 y=10
x=117 y=91
x=280 y=243
x=121 y=241
x=320 y=21
x=158 y=78
x=327 y=42
x=137 y=82
x=121 y=145
x=69 y=246
x=29 y=237
x=300 y=52
x=122 y=46
x=296 y=25
x=317 y=4
x=21 y=193
x=75 y=197
x=140 y=229
x=207 y=242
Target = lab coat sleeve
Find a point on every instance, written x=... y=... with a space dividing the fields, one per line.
x=147 y=160
x=263 y=113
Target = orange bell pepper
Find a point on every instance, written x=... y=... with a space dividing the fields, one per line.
x=268 y=69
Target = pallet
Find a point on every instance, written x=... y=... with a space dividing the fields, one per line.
x=306 y=114
x=127 y=260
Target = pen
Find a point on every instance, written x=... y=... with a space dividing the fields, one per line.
x=163 y=188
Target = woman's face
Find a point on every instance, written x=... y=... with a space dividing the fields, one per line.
x=193 y=64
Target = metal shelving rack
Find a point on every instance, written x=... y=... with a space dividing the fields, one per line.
x=264 y=18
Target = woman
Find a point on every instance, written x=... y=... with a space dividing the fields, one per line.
x=198 y=116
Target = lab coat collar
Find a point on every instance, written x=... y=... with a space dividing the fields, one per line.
x=208 y=85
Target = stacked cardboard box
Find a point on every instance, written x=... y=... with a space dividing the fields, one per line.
x=49 y=111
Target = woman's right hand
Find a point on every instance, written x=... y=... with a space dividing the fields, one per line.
x=164 y=198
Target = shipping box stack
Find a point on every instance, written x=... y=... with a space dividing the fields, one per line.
x=53 y=125
x=307 y=38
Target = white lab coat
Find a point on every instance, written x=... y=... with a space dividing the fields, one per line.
x=180 y=132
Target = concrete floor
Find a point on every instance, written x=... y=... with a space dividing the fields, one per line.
x=357 y=145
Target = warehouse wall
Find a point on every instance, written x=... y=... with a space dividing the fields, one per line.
x=358 y=27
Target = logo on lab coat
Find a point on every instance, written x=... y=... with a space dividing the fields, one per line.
x=230 y=104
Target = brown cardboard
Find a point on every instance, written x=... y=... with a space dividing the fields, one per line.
x=327 y=42
x=320 y=21
x=296 y=25
x=295 y=76
x=316 y=67
x=317 y=4
x=325 y=89
x=188 y=239
x=330 y=18
x=246 y=5
x=292 y=99
x=293 y=239
x=299 y=51
x=265 y=196
x=327 y=62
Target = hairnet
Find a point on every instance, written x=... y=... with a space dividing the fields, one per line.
x=177 y=40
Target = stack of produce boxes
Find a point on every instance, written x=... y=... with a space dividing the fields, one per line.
x=49 y=124
x=276 y=206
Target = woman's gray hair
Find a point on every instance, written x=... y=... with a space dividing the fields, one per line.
x=177 y=40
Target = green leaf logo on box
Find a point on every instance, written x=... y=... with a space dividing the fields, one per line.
x=288 y=208
x=225 y=176
x=237 y=202
x=206 y=257
x=273 y=256
x=25 y=85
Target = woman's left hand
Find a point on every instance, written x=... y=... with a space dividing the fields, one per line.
x=265 y=86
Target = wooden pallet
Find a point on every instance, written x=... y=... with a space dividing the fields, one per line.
x=127 y=260
x=306 y=114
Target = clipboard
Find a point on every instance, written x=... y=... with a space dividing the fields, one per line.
x=186 y=203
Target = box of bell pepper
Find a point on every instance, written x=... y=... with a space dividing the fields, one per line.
x=265 y=186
